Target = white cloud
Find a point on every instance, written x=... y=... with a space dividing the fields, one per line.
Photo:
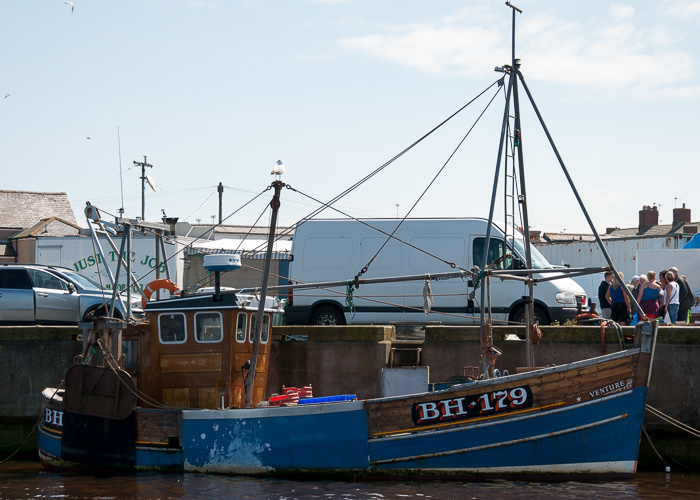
x=662 y=35
x=612 y=54
x=433 y=49
x=621 y=11
x=683 y=9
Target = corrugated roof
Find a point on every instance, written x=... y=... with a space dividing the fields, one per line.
x=22 y=209
x=565 y=237
x=248 y=249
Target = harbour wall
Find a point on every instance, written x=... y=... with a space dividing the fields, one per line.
x=31 y=358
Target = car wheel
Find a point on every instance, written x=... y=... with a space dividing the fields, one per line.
x=328 y=316
x=99 y=312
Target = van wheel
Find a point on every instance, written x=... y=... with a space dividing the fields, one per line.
x=327 y=316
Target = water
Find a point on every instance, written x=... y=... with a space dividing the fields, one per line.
x=29 y=480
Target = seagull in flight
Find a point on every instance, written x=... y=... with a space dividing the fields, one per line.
x=7 y=95
x=72 y=5
x=278 y=169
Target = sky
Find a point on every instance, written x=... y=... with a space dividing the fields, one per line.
x=217 y=91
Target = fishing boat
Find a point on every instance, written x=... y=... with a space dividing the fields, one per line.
x=579 y=418
x=188 y=393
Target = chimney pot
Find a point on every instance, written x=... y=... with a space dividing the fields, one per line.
x=681 y=215
x=648 y=216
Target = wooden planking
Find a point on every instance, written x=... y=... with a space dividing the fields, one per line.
x=158 y=427
x=208 y=397
x=239 y=359
x=258 y=395
x=178 y=397
x=548 y=389
x=191 y=363
x=238 y=397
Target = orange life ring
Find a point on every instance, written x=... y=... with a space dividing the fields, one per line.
x=159 y=284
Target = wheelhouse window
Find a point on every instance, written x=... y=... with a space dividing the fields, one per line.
x=265 y=333
x=130 y=354
x=241 y=323
x=207 y=327
x=171 y=328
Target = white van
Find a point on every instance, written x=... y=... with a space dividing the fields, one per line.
x=337 y=249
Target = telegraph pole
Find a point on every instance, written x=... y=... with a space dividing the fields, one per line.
x=143 y=166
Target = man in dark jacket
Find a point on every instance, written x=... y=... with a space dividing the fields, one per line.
x=605 y=306
x=686 y=297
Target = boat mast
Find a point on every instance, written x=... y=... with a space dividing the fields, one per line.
x=512 y=70
x=522 y=198
x=275 y=205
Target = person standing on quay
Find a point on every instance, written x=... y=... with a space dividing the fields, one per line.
x=648 y=296
x=662 y=293
x=686 y=298
x=672 y=297
x=605 y=306
x=620 y=303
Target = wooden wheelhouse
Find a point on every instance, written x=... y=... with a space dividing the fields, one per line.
x=195 y=351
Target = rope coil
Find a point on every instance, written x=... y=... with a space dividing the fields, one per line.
x=488 y=351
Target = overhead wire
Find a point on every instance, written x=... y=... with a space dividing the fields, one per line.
x=211 y=228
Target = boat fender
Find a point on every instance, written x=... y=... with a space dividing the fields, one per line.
x=159 y=284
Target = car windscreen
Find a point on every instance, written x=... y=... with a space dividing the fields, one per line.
x=80 y=280
x=539 y=261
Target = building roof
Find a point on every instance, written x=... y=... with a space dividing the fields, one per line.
x=226 y=231
x=53 y=226
x=658 y=230
x=248 y=248
x=22 y=209
x=677 y=229
x=565 y=237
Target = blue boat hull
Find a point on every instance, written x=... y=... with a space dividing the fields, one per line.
x=582 y=418
x=335 y=439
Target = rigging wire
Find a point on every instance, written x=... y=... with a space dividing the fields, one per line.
x=250 y=230
x=189 y=245
x=329 y=204
x=390 y=235
x=384 y=165
x=449 y=158
x=373 y=298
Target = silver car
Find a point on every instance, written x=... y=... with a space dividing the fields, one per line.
x=49 y=295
